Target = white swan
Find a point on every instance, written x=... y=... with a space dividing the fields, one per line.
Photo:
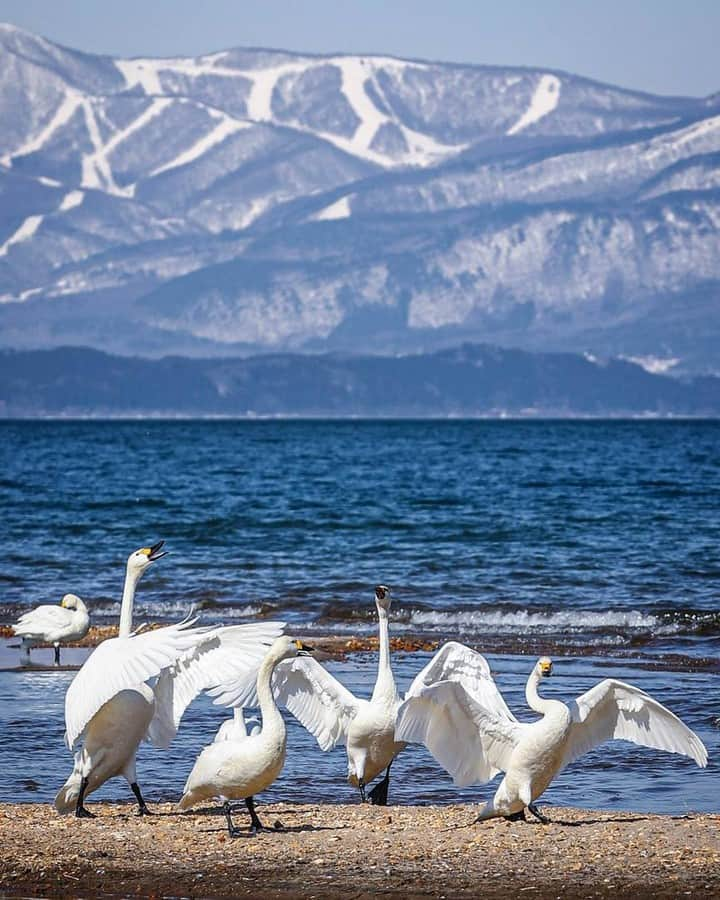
x=112 y=706
x=54 y=625
x=238 y=727
x=333 y=715
x=242 y=765
x=474 y=741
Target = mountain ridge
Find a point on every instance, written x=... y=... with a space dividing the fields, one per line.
x=463 y=381
x=578 y=207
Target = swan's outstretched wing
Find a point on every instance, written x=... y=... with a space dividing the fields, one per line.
x=613 y=709
x=470 y=741
x=121 y=663
x=456 y=662
x=230 y=654
x=41 y=620
x=316 y=699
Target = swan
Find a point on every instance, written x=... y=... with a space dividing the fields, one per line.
x=333 y=715
x=111 y=706
x=238 y=727
x=242 y=765
x=54 y=625
x=474 y=742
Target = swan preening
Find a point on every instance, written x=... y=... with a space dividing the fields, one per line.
x=111 y=705
x=48 y=624
x=239 y=765
x=474 y=739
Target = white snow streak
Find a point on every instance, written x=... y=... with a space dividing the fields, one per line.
x=25 y=231
x=142 y=72
x=71 y=200
x=340 y=209
x=62 y=115
x=95 y=166
x=544 y=101
x=218 y=134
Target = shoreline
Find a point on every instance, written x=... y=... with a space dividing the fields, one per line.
x=339 y=645
x=360 y=851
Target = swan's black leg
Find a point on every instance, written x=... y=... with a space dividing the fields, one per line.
x=255 y=823
x=538 y=815
x=80 y=811
x=379 y=794
x=361 y=786
x=517 y=817
x=142 y=806
x=233 y=831
x=57 y=654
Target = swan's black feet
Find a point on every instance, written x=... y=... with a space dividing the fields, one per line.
x=378 y=796
x=233 y=831
x=361 y=788
x=57 y=654
x=142 y=806
x=82 y=813
x=517 y=817
x=538 y=815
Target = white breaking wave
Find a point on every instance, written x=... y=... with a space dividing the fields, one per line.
x=513 y=621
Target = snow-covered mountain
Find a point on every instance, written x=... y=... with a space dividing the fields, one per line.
x=256 y=199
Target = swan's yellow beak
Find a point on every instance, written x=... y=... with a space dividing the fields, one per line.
x=304 y=649
x=65 y=602
x=546 y=666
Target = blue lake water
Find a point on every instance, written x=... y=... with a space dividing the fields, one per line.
x=596 y=542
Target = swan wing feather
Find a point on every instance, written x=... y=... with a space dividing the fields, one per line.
x=121 y=663
x=316 y=699
x=615 y=710
x=469 y=740
x=456 y=662
x=230 y=654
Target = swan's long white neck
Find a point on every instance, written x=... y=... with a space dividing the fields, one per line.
x=128 y=599
x=268 y=707
x=534 y=700
x=385 y=684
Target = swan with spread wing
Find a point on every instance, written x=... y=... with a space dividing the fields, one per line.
x=474 y=741
x=111 y=705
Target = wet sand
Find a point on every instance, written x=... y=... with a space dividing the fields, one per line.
x=356 y=851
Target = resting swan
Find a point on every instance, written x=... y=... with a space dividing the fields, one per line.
x=333 y=715
x=474 y=742
x=110 y=704
x=242 y=765
x=54 y=625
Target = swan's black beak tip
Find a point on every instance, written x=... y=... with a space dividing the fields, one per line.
x=304 y=649
x=156 y=551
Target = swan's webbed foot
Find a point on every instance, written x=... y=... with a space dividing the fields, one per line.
x=538 y=815
x=143 y=809
x=361 y=788
x=378 y=796
x=57 y=654
x=82 y=813
x=517 y=817
x=233 y=830
x=255 y=823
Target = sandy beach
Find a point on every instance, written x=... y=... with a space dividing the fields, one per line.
x=356 y=851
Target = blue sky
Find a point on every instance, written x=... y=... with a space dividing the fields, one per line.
x=662 y=46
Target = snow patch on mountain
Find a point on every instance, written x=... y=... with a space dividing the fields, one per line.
x=543 y=102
